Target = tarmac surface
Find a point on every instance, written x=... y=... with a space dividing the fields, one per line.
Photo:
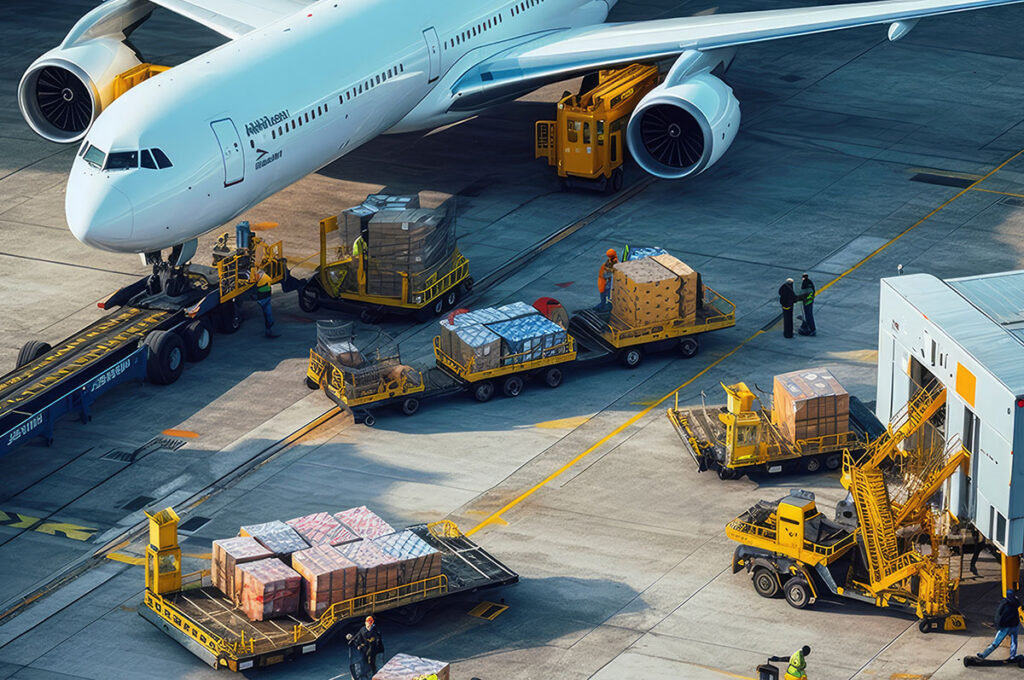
x=855 y=155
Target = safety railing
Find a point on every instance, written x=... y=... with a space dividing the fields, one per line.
x=722 y=316
x=444 y=528
x=511 y=363
x=240 y=272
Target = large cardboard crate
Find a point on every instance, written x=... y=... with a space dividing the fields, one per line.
x=418 y=560
x=644 y=292
x=408 y=667
x=689 y=285
x=364 y=522
x=375 y=569
x=478 y=344
x=270 y=588
x=810 y=403
x=321 y=528
x=276 y=536
x=327 y=577
x=228 y=553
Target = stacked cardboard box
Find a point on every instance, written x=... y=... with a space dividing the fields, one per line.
x=375 y=570
x=689 y=285
x=407 y=667
x=228 y=553
x=477 y=344
x=810 y=403
x=269 y=588
x=321 y=528
x=418 y=560
x=410 y=240
x=528 y=338
x=327 y=577
x=276 y=536
x=654 y=290
x=364 y=522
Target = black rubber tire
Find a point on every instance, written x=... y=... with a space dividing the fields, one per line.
x=631 y=357
x=617 y=179
x=229 y=318
x=32 y=350
x=726 y=474
x=450 y=298
x=553 y=377
x=483 y=391
x=467 y=284
x=812 y=464
x=309 y=296
x=689 y=346
x=766 y=584
x=798 y=593
x=369 y=420
x=512 y=386
x=166 y=357
x=409 y=406
x=198 y=337
x=923 y=626
x=370 y=316
x=833 y=461
x=312 y=384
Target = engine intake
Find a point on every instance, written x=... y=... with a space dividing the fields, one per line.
x=683 y=129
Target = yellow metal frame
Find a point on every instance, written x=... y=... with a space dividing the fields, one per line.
x=467 y=374
x=135 y=75
x=625 y=336
x=319 y=368
x=765 y=538
x=240 y=272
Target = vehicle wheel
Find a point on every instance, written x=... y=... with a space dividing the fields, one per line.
x=617 y=176
x=765 y=582
x=467 y=284
x=309 y=296
x=924 y=626
x=369 y=420
x=607 y=186
x=631 y=357
x=30 y=351
x=450 y=298
x=198 y=339
x=312 y=384
x=166 y=357
x=513 y=386
x=553 y=377
x=483 y=391
x=798 y=593
x=812 y=464
x=689 y=347
x=726 y=474
x=833 y=461
x=370 y=316
x=229 y=318
x=410 y=406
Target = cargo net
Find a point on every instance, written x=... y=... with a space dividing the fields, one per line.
x=364 y=368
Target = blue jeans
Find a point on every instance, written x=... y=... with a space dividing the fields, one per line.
x=1000 y=635
x=808 y=325
x=268 y=314
x=604 y=298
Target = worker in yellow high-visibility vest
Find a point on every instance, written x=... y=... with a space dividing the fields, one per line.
x=263 y=298
x=797 y=669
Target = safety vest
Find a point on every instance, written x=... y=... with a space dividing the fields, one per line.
x=797 y=665
x=263 y=286
x=357 y=246
x=605 y=277
x=810 y=297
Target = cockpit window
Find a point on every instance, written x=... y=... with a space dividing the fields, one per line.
x=162 y=161
x=82 y=149
x=147 y=160
x=94 y=156
x=122 y=160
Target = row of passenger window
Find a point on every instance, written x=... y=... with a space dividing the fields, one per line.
x=462 y=37
x=152 y=159
x=523 y=6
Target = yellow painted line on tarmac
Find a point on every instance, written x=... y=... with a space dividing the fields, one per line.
x=1001 y=193
x=563 y=423
x=127 y=559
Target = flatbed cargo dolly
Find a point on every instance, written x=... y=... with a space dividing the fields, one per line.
x=196 y=615
x=510 y=375
x=153 y=326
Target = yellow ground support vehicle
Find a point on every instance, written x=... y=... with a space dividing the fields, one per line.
x=344 y=277
x=509 y=375
x=789 y=547
x=586 y=144
x=736 y=438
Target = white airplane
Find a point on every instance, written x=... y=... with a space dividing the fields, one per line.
x=299 y=85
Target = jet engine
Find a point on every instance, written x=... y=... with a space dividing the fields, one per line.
x=683 y=129
x=64 y=90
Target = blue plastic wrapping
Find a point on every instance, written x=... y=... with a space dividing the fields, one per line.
x=529 y=338
x=645 y=251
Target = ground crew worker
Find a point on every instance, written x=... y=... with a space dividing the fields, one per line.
x=1007 y=620
x=787 y=296
x=807 y=289
x=797 y=669
x=368 y=642
x=263 y=298
x=358 y=246
x=604 y=279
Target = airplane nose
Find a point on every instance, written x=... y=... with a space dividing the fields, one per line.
x=99 y=214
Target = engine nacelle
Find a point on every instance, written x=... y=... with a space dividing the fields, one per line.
x=64 y=90
x=683 y=129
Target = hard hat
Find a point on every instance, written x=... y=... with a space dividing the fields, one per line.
x=369 y=619
x=806 y=650
x=610 y=252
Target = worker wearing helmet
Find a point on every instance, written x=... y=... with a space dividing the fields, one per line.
x=368 y=642
x=604 y=279
x=797 y=669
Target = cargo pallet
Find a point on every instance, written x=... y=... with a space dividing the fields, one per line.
x=401 y=392
x=511 y=374
x=153 y=327
x=205 y=622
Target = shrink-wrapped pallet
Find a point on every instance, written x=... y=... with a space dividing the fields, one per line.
x=529 y=338
x=276 y=536
x=228 y=553
x=269 y=588
x=476 y=344
x=327 y=577
x=364 y=522
x=408 y=667
x=644 y=293
x=517 y=309
x=810 y=403
x=449 y=341
x=644 y=251
x=321 y=528
x=418 y=560
x=412 y=241
x=375 y=569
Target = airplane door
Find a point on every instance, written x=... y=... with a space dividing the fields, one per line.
x=230 y=149
x=433 y=53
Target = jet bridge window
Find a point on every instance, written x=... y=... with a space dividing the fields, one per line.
x=162 y=161
x=122 y=160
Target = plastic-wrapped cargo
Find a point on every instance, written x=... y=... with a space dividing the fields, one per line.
x=392 y=202
x=321 y=528
x=408 y=667
x=411 y=240
x=529 y=338
x=335 y=341
x=810 y=403
x=327 y=577
x=269 y=588
x=364 y=522
x=517 y=309
x=478 y=344
x=375 y=569
x=228 y=553
x=645 y=251
x=418 y=560
x=276 y=536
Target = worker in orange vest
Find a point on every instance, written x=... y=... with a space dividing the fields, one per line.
x=604 y=279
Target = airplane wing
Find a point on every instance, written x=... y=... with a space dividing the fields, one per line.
x=232 y=18
x=561 y=54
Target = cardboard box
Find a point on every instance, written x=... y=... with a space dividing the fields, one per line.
x=689 y=285
x=321 y=528
x=364 y=522
x=644 y=292
x=408 y=667
x=810 y=403
x=228 y=553
x=418 y=560
x=375 y=569
x=477 y=344
x=269 y=588
x=276 y=536
x=327 y=577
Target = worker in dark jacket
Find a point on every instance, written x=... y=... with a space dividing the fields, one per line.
x=369 y=643
x=787 y=298
x=797 y=669
x=1007 y=621
x=807 y=289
